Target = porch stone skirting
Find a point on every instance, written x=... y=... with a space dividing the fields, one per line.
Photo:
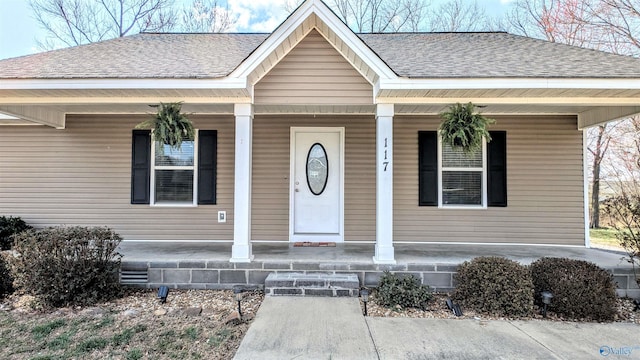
x=200 y=274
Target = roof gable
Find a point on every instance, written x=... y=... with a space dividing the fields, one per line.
x=313 y=73
x=310 y=15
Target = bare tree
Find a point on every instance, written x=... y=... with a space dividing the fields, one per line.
x=564 y=21
x=621 y=17
x=571 y=22
x=600 y=140
x=375 y=16
x=211 y=16
x=623 y=208
x=460 y=15
x=76 y=22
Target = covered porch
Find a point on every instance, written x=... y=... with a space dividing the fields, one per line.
x=205 y=265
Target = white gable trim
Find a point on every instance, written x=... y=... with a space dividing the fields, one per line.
x=294 y=22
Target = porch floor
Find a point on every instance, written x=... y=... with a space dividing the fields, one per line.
x=206 y=265
x=450 y=254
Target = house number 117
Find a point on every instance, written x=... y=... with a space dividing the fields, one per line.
x=385 y=163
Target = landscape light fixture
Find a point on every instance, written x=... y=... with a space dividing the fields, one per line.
x=237 y=292
x=455 y=308
x=365 y=298
x=546 y=300
x=163 y=292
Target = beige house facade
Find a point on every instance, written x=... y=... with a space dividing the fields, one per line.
x=310 y=134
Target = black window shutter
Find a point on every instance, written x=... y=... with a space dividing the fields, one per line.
x=140 y=166
x=497 y=169
x=428 y=168
x=207 y=162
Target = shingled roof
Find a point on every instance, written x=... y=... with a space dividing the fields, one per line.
x=412 y=55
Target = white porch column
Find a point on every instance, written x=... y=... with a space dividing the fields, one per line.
x=241 y=250
x=384 y=185
x=585 y=179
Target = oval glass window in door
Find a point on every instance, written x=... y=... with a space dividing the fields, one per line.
x=317 y=169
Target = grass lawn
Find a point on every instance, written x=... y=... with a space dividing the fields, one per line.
x=604 y=237
x=111 y=334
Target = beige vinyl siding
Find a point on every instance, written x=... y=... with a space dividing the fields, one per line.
x=313 y=73
x=544 y=179
x=81 y=176
x=271 y=171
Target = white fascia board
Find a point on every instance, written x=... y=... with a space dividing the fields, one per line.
x=295 y=20
x=574 y=101
x=116 y=99
x=151 y=84
x=507 y=83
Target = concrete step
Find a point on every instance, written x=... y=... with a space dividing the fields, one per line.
x=315 y=284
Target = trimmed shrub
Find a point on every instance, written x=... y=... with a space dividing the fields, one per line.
x=581 y=290
x=406 y=291
x=10 y=226
x=494 y=285
x=68 y=265
x=6 y=280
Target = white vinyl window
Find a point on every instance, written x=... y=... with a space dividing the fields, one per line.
x=462 y=177
x=173 y=174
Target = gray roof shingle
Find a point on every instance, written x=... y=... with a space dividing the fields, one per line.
x=499 y=55
x=173 y=56
x=413 y=55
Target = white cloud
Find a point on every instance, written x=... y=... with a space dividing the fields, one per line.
x=506 y=2
x=258 y=16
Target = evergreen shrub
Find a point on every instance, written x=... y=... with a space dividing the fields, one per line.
x=406 y=291
x=10 y=226
x=494 y=285
x=581 y=289
x=68 y=265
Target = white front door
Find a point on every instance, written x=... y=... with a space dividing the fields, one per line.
x=317 y=184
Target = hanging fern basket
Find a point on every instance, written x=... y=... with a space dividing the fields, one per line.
x=463 y=128
x=169 y=125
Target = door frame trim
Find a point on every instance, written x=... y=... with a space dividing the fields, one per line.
x=292 y=156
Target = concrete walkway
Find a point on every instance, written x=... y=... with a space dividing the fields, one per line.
x=334 y=328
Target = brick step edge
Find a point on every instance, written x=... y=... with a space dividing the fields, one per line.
x=301 y=291
x=306 y=282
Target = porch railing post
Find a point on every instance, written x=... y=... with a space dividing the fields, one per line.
x=384 y=185
x=241 y=250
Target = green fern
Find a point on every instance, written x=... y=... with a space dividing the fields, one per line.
x=169 y=125
x=463 y=129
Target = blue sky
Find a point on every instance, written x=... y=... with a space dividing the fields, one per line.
x=19 y=31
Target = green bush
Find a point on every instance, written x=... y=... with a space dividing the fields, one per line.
x=6 y=280
x=581 y=290
x=494 y=285
x=406 y=291
x=68 y=265
x=10 y=226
